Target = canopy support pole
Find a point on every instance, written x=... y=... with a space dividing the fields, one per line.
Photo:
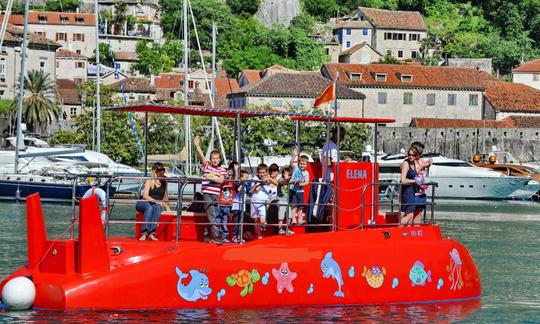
x=146 y=144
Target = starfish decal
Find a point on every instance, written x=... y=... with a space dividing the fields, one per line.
x=284 y=277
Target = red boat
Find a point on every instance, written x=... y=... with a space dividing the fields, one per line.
x=363 y=256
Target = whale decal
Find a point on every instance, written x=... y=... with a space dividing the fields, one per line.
x=330 y=269
x=197 y=288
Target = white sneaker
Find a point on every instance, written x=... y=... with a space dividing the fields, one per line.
x=281 y=231
x=289 y=232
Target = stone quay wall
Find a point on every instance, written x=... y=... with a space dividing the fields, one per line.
x=462 y=143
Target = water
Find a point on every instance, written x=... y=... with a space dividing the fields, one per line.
x=503 y=238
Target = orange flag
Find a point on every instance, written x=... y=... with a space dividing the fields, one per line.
x=326 y=96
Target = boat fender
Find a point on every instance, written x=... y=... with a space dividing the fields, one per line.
x=19 y=293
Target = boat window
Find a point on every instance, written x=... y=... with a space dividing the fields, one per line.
x=76 y=158
x=453 y=164
x=461 y=186
x=450 y=186
x=389 y=170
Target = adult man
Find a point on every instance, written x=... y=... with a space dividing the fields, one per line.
x=330 y=154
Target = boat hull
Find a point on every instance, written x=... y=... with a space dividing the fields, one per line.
x=50 y=192
x=370 y=266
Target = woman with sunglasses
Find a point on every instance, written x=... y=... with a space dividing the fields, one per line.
x=155 y=199
x=413 y=198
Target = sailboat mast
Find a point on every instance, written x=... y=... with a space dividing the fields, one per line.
x=98 y=77
x=21 y=85
x=187 y=119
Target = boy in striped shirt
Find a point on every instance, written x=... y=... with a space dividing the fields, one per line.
x=211 y=187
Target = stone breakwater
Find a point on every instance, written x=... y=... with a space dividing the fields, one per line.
x=463 y=143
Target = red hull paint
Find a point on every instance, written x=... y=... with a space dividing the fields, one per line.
x=144 y=275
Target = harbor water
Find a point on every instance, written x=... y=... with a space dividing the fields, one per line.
x=503 y=238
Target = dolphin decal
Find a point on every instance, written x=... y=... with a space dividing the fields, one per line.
x=330 y=268
x=196 y=289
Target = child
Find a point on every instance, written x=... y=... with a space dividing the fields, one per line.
x=259 y=196
x=299 y=179
x=283 y=200
x=211 y=187
x=238 y=206
x=225 y=202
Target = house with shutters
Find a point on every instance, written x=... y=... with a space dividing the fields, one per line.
x=292 y=91
x=386 y=31
x=404 y=92
x=71 y=66
x=73 y=31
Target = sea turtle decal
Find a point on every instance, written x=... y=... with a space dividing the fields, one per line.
x=244 y=278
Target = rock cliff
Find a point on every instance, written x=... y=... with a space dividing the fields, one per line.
x=277 y=12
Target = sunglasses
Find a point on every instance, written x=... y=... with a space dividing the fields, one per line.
x=411 y=154
x=160 y=169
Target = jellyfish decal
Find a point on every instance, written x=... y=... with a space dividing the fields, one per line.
x=455 y=270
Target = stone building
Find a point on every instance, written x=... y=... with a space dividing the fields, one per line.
x=71 y=66
x=70 y=101
x=387 y=31
x=528 y=73
x=40 y=56
x=504 y=99
x=404 y=92
x=73 y=31
x=291 y=91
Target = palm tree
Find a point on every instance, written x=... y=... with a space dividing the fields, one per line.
x=40 y=105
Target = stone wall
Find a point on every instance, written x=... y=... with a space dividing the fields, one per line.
x=481 y=64
x=277 y=12
x=462 y=143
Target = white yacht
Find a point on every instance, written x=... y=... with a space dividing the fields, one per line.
x=457 y=179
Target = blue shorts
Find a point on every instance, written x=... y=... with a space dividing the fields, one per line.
x=296 y=198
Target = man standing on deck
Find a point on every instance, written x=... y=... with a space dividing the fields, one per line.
x=330 y=154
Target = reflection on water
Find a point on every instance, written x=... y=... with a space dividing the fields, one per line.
x=502 y=237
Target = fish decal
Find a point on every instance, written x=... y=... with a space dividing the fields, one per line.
x=197 y=288
x=374 y=276
x=330 y=269
x=418 y=274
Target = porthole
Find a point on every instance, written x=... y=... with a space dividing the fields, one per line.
x=461 y=186
x=450 y=186
x=471 y=186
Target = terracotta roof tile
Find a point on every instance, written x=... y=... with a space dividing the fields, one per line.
x=391 y=19
x=14 y=35
x=355 y=48
x=126 y=56
x=66 y=84
x=507 y=122
x=422 y=76
x=513 y=97
x=54 y=18
x=134 y=84
x=531 y=66
x=252 y=75
x=353 y=24
x=69 y=96
x=69 y=54
x=298 y=84
x=169 y=81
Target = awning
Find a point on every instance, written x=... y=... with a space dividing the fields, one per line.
x=243 y=112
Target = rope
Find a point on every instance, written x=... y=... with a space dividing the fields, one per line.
x=71 y=225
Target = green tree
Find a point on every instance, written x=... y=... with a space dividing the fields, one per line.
x=40 y=106
x=155 y=59
x=244 y=7
x=304 y=22
x=389 y=59
x=321 y=9
x=106 y=55
x=120 y=17
x=253 y=58
x=62 y=5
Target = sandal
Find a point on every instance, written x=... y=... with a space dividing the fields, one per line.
x=142 y=237
x=152 y=237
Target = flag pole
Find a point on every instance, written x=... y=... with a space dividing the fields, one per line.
x=338 y=144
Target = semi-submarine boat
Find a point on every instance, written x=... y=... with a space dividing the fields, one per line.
x=359 y=255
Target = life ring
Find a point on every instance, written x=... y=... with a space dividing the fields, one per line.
x=102 y=200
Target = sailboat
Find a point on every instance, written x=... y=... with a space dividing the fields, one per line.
x=17 y=185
